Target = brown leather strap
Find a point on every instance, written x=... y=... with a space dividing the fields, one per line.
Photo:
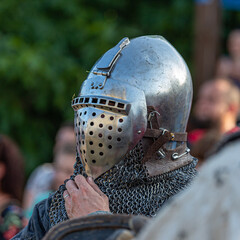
x=162 y=137
x=156 y=133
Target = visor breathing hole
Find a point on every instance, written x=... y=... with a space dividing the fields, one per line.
x=92 y=152
x=82 y=142
x=110 y=146
x=82 y=132
x=100 y=125
x=84 y=151
x=102 y=116
x=120 y=130
x=118 y=139
x=100 y=135
x=80 y=114
x=83 y=123
x=93 y=114
x=91 y=123
x=100 y=144
x=120 y=120
x=110 y=127
x=93 y=161
x=91 y=133
x=85 y=112
x=111 y=118
x=101 y=153
x=91 y=143
x=109 y=137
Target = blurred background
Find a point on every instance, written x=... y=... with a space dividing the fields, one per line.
x=47 y=47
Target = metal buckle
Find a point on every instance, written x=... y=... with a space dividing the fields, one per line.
x=175 y=155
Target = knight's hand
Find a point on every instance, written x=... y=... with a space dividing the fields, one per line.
x=83 y=197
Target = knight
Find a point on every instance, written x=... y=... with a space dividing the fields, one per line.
x=130 y=122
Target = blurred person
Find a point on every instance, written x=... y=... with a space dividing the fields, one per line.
x=210 y=208
x=229 y=66
x=65 y=135
x=215 y=114
x=41 y=179
x=11 y=188
x=62 y=168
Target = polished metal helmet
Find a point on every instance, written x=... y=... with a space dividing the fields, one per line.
x=132 y=83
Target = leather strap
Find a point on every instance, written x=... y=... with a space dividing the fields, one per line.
x=156 y=133
x=162 y=137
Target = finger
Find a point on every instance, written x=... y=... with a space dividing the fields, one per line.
x=68 y=205
x=66 y=194
x=94 y=186
x=71 y=187
x=81 y=182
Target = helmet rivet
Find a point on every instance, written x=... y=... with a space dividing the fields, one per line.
x=139 y=131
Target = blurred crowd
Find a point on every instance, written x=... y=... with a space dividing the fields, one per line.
x=216 y=112
x=17 y=202
x=215 y=115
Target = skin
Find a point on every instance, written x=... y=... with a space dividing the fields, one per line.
x=214 y=105
x=83 y=197
x=64 y=168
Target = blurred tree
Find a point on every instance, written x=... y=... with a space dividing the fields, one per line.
x=46 y=47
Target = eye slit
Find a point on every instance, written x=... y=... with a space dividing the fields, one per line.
x=94 y=100
x=120 y=105
x=111 y=103
x=102 y=101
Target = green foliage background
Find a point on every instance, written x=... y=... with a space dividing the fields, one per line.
x=47 y=46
